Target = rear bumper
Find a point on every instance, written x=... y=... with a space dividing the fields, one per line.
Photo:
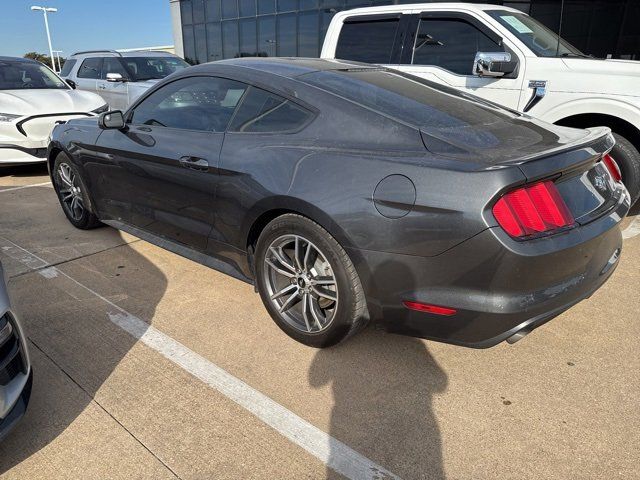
x=498 y=286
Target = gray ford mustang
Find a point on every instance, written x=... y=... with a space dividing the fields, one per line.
x=347 y=193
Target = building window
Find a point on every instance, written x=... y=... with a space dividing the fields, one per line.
x=287 y=5
x=248 y=8
x=214 y=41
x=229 y=8
x=189 y=44
x=308 y=34
x=267 y=36
x=266 y=7
x=186 y=12
x=230 y=45
x=287 y=35
x=198 y=11
x=213 y=10
x=248 y=47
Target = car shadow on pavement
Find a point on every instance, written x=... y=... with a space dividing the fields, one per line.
x=383 y=387
x=24 y=171
x=75 y=349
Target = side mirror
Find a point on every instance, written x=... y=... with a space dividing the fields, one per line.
x=493 y=64
x=71 y=83
x=113 y=120
x=115 y=77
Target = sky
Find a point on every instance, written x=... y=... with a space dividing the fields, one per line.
x=84 y=25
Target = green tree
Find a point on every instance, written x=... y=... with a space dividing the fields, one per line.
x=40 y=57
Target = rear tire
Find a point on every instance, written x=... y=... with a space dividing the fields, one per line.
x=628 y=159
x=326 y=302
x=72 y=194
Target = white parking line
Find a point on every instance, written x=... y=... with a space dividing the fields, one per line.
x=13 y=189
x=633 y=229
x=330 y=451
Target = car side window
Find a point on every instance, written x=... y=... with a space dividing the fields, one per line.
x=450 y=43
x=67 y=67
x=112 y=65
x=193 y=103
x=369 y=41
x=265 y=112
x=90 y=68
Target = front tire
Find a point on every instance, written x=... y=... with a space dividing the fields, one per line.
x=72 y=194
x=308 y=283
x=628 y=159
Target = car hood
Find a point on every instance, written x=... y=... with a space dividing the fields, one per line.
x=597 y=76
x=45 y=101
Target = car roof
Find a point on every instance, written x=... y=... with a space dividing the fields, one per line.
x=17 y=59
x=289 y=67
x=115 y=53
x=426 y=6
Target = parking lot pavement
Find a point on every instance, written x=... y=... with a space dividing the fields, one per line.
x=148 y=365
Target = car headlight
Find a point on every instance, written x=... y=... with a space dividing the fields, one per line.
x=102 y=109
x=8 y=117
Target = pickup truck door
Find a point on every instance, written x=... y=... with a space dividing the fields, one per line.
x=441 y=46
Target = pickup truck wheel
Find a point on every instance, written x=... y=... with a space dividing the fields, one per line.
x=628 y=159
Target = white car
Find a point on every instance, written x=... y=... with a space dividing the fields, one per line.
x=32 y=100
x=505 y=56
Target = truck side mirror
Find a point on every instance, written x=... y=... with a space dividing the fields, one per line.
x=493 y=64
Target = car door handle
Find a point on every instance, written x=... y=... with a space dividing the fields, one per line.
x=194 y=163
x=101 y=87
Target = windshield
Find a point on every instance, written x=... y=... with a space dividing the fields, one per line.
x=542 y=41
x=148 y=68
x=28 y=75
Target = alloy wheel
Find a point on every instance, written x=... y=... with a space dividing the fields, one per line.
x=70 y=191
x=301 y=283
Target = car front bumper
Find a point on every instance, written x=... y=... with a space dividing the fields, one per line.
x=25 y=140
x=498 y=286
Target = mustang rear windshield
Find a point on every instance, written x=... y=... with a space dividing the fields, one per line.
x=409 y=99
x=27 y=76
x=455 y=122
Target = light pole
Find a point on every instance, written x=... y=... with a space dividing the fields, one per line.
x=58 y=52
x=46 y=10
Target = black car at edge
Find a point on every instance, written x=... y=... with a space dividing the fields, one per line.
x=347 y=193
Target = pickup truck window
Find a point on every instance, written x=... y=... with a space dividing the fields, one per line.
x=542 y=41
x=450 y=43
x=369 y=41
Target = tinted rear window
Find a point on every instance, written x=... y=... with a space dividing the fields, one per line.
x=67 y=67
x=407 y=98
x=265 y=112
x=368 y=41
x=456 y=123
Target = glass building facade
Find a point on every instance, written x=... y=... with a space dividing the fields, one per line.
x=217 y=29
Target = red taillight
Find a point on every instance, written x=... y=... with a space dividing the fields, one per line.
x=426 y=307
x=613 y=167
x=532 y=209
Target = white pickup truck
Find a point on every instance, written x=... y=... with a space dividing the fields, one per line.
x=503 y=55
